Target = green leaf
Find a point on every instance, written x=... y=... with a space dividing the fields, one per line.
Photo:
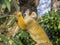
x=24 y=35
x=11 y=22
x=59 y=26
x=17 y=41
x=8 y=4
x=0 y=6
x=4 y=39
x=3 y=16
x=14 y=43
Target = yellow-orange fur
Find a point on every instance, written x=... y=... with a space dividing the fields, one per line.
x=21 y=22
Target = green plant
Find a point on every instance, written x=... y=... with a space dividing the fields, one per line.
x=25 y=38
x=51 y=24
x=7 y=4
x=3 y=38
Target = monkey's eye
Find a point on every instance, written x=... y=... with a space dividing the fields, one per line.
x=24 y=14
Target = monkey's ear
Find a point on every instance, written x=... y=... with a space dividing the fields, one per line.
x=34 y=15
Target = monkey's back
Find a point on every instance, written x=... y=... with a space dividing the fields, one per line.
x=37 y=33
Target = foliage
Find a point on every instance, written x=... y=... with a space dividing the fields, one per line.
x=25 y=38
x=11 y=22
x=3 y=38
x=7 y=4
x=22 y=39
x=3 y=16
x=51 y=24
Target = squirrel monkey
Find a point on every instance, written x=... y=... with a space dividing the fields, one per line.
x=34 y=29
